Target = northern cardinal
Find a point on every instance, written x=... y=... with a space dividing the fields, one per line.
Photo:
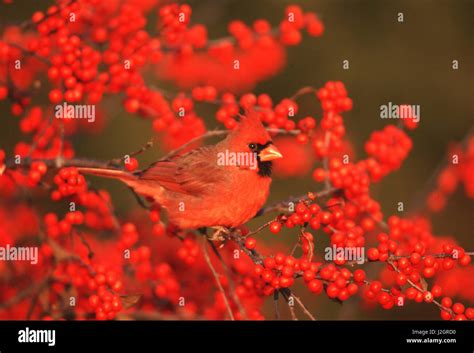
x=198 y=190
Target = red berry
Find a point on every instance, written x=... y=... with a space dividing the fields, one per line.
x=373 y=254
x=458 y=308
x=250 y=243
x=3 y=92
x=428 y=297
x=359 y=275
x=132 y=105
x=131 y=164
x=315 y=286
x=401 y=279
x=275 y=227
x=446 y=302
x=55 y=96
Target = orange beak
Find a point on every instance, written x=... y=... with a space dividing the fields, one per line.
x=270 y=153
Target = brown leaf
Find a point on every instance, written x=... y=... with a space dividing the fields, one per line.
x=60 y=254
x=424 y=284
x=130 y=300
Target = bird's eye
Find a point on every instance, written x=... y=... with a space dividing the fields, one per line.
x=252 y=146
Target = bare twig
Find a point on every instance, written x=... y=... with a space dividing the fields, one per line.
x=231 y=281
x=216 y=277
x=303 y=307
x=259 y=229
x=302 y=91
x=276 y=305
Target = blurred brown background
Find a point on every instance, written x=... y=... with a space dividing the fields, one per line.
x=409 y=62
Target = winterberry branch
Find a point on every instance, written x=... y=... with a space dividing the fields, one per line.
x=282 y=206
x=421 y=290
x=29 y=52
x=48 y=15
x=28 y=292
x=287 y=293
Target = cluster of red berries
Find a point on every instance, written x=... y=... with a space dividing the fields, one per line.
x=76 y=71
x=56 y=227
x=333 y=98
x=159 y=228
x=104 y=303
x=96 y=291
x=277 y=272
x=47 y=143
x=167 y=285
x=37 y=170
x=71 y=185
x=295 y=20
x=348 y=221
x=334 y=101
x=182 y=261
x=73 y=69
x=389 y=147
x=69 y=182
x=189 y=250
x=174 y=22
x=234 y=64
x=458 y=170
x=32 y=120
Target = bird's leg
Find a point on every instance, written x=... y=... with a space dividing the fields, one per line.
x=216 y=236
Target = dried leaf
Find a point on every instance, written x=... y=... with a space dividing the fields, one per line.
x=60 y=254
x=424 y=284
x=130 y=300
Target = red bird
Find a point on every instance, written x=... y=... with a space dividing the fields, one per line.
x=222 y=185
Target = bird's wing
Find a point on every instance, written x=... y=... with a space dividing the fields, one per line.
x=192 y=173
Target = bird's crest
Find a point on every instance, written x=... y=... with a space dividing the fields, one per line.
x=251 y=129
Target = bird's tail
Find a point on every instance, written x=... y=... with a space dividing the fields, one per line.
x=121 y=175
x=139 y=186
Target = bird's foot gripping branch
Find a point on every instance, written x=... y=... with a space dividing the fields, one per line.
x=160 y=263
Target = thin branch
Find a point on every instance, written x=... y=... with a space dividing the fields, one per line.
x=303 y=307
x=29 y=22
x=262 y=227
x=231 y=281
x=276 y=305
x=30 y=291
x=216 y=277
x=292 y=312
x=421 y=290
x=282 y=206
x=287 y=294
x=303 y=91
x=28 y=52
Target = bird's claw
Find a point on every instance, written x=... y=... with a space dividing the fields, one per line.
x=219 y=234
